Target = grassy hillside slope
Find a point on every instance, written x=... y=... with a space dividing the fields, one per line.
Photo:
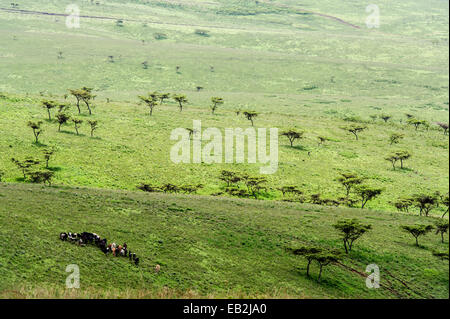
x=131 y=147
x=205 y=246
x=312 y=66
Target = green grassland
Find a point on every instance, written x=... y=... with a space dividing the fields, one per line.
x=131 y=147
x=206 y=246
x=282 y=59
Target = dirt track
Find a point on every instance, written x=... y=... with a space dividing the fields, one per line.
x=112 y=18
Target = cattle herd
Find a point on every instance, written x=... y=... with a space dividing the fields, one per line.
x=85 y=238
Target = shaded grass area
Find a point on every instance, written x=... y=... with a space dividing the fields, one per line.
x=205 y=246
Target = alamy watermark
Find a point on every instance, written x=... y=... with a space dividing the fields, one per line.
x=373 y=20
x=373 y=280
x=73 y=16
x=73 y=279
x=226 y=148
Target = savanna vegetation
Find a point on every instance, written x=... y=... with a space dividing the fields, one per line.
x=363 y=148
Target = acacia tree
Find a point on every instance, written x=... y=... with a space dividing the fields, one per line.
x=426 y=203
x=417 y=230
x=77 y=123
x=349 y=181
x=442 y=228
x=403 y=156
x=254 y=184
x=355 y=129
x=293 y=135
x=48 y=105
x=36 y=126
x=250 y=116
x=309 y=253
x=443 y=126
x=367 y=193
x=163 y=96
x=404 y=204
x=351 y=230
x=229 y=177
x=398 y=156
x=416 y=123
x=94 y=125
x=87 y=96
x=25 y=165
x=62 y=118
x=319 y=255
x=150 y=101
x=395 y=138
x=215 y=102
x=48 y=153
x=181 y=99
x=77 y=93
x=392 y=158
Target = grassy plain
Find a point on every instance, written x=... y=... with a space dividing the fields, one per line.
x=283 y=60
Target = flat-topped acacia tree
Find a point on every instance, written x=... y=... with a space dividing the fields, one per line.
x=180 y=99
x=349 y=181
x=84 y=94
x=94 y=126
x=417 y=123
x=355 y=129
x=62 y=118
x=36 y=127
x=417 y=230
x=77 y=93
x=293 y=135
x=250 y=116
x=351 y=230
x=48 y=105
x=442 y=228
x=401 y=156
x=163 y=96
x=77 y=123
x=216 y=101
x=321 y=256
x=426 y=203
x=367 y=193
x=87 y=97
x=25 y=165
x=150 y=100
x=48 y=153
x=395 y=138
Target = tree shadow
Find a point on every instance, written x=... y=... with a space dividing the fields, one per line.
x=71 y=133
x=54 y=168
x=314 y=275
x=297 y=147
x=39 y=144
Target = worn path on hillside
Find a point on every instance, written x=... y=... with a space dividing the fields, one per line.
x=134 y=20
